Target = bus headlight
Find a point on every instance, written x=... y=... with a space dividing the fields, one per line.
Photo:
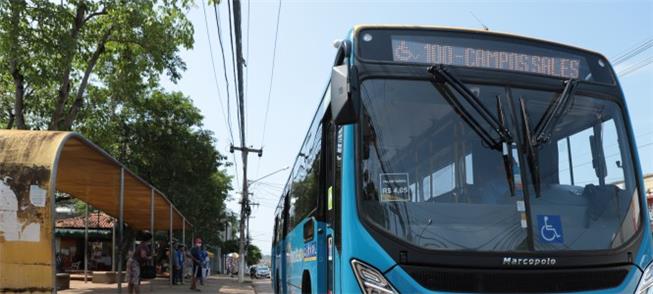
x=646 y=282
x=371 y=280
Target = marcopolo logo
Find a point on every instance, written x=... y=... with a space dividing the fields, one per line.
x=529 y=261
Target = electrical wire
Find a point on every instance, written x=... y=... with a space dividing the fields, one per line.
x=215 y=74
x=249 y=8
x=224 y=66
x=632 y=52
x=226 y=80
x=635 y=67
x=267 y=104
x=274 y=56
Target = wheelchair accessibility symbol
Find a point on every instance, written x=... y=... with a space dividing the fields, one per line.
x=550 y=229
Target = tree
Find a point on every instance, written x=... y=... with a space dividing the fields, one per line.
x=160 y=138
x=94 y=67
x=230 y=246
x=62 y=50
x=253 y=252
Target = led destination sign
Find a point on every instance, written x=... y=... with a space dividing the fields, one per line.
x=407 y=49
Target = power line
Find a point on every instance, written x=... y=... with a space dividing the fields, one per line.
x=226 y=80
x=632 y=52
x=249 y=8
x=267 y=104
x=215 y=74
x=635 y=67
x=274 y=56
x=224 y=66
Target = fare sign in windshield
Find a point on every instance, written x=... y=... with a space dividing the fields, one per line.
x=411 y=50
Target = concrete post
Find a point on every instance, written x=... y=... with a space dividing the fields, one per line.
x=152 y=229
x=170 y=263
x=85 y=242
x=121 y=220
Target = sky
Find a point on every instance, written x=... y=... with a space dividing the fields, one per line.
x=305 y=54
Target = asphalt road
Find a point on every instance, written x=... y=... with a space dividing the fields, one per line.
x=262 y=286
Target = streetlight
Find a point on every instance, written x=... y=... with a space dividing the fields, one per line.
x=249 y=183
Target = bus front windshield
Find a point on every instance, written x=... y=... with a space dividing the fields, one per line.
x=429 y=178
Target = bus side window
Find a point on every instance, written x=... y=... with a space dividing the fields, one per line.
x=285 y=219
x=325 y=203
x=304 y=189
x=309 y=230
x=276 y=228
x=339 y=137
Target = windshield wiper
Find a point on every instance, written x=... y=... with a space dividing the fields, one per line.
x=544 y=128
x=506 y=151
x=542 y=133
x=442 y=77
x=529 y=147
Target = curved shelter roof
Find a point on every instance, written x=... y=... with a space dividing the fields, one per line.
x=36 y=164
x=90 y=174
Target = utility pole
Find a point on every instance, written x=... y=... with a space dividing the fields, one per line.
x=244 y=207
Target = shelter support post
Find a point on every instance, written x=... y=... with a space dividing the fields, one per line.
x=121 y=216
x=113 y=246
x=85 y=242
x=152 y=229
x=183 y=242
x=170 y=263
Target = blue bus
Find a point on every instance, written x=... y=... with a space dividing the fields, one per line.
x=454 y=160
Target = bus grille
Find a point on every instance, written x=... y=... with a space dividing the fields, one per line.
x=517 y=280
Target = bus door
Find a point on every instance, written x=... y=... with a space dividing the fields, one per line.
x=328 y=208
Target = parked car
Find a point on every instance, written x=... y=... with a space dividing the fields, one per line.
x=262 y=271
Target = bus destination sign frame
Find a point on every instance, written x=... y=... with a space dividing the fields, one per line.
x=406 y=49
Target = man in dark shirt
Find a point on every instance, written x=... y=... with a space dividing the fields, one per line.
x=196 y=256
x=142 y=255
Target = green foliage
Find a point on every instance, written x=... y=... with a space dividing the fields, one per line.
x=253 y=252
x=94 y=67
x=230 y=246
x=52 y=54
x=160 y=138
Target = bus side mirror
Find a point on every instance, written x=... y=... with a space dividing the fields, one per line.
x=344 y=109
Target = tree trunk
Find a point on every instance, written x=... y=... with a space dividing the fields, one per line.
x=79 y=99
x=14 y=67
x=19 y=95
x=10 y=123
x=64 y=87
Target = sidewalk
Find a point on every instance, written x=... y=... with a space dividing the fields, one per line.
x=214 y=284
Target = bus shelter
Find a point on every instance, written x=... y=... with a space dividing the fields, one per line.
x=34 y=166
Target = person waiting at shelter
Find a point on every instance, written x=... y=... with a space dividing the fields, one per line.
x=179 y=260
x=142 y=254
x=196 y=256
x=205 y=266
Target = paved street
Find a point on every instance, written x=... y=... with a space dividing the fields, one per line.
x=262 y=286
x=215 y=284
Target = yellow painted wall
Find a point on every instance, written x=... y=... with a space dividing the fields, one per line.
x=26 y=261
